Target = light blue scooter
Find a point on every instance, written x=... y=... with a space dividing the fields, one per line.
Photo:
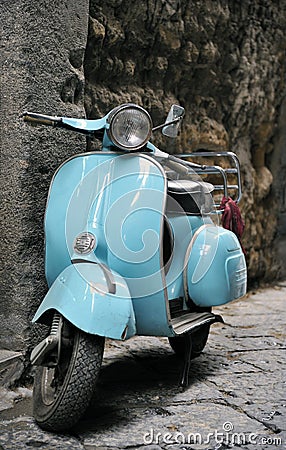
x=133 y=247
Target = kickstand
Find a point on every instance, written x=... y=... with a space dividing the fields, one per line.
x=184 y=381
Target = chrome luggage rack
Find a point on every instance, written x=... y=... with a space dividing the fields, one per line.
x=226 y=187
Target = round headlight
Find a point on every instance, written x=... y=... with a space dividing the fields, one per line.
x=130 y=127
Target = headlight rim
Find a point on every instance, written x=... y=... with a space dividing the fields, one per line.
x=111 y=118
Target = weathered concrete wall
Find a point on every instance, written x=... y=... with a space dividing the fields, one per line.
x=224 y=61
x=42 y=50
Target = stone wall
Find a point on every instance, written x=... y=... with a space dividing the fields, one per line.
x=224 y=61
x=277 y=164
x=42 y=50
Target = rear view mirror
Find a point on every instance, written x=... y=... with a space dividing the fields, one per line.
x=173 y=121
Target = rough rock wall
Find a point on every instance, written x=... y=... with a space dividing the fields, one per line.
x=277 y=163
x=224 y=61
x=42 y=50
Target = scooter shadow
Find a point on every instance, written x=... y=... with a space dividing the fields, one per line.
x=141 y=383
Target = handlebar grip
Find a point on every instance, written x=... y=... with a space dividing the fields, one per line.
x=35 y=118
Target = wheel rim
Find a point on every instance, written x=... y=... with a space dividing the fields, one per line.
x=53 y=377
x=48 y=388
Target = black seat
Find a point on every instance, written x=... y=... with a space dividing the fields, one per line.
x=192 y=197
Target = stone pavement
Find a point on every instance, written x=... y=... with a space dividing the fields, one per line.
x=236 y=398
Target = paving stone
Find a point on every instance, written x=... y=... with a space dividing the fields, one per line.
x=236 y=396
x=22 y=433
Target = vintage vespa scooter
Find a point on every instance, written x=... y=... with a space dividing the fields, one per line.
x=133 y=247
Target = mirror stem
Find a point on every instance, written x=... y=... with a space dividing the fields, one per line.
x=159 y=127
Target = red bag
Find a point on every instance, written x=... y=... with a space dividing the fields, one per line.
x=231 y=218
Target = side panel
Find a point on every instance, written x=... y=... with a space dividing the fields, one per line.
x=121 y=199
x=216 y=270
x=81 y=295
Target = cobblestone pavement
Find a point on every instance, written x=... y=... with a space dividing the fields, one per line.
x=236 y=398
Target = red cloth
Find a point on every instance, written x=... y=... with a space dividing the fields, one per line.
x=231 y=218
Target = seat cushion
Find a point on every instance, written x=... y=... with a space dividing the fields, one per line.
x=191 y=197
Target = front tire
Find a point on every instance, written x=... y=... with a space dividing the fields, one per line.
x=62 y=393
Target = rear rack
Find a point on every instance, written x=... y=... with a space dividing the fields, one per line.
x=225 y=173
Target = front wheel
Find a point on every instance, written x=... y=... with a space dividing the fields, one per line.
x=62 y=393
x=199 y=339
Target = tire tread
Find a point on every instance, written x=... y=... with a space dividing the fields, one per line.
x=79 y=389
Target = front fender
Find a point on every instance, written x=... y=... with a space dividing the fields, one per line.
x=92 y=298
